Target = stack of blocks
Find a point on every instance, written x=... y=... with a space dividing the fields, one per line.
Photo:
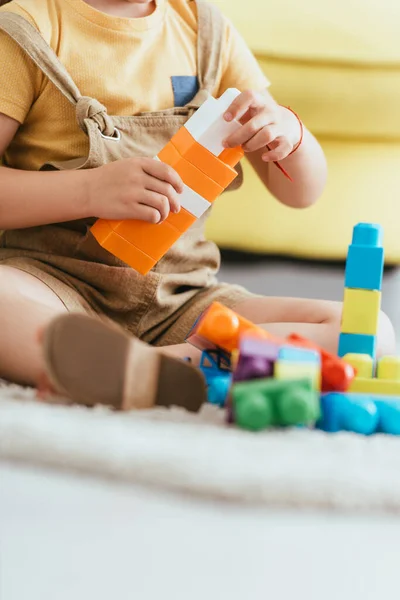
x=372 y=403
x=362 y=293
x=275 y=382
x=197 y=154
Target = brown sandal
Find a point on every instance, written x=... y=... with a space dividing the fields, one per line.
x=92 y=363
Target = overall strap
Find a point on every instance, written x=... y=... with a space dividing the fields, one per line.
x=34 y=45
x=210 y=40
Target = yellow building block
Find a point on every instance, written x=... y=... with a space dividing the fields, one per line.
x=360 y=311
x=289 y=370
x=363 y=364
x=379 y=387
x=389 y=368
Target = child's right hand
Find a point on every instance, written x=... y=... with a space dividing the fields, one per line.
x=134 y=188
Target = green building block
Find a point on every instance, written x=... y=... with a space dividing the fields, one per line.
x=263 y=403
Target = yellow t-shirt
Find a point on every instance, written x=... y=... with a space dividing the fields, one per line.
x=129 y=65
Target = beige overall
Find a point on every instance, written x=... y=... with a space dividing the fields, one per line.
x=161 y=307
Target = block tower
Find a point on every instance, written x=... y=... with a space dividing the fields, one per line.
x=206 y=168
x=362 y=294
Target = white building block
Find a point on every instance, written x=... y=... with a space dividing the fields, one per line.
x=203 y=118
x=193 y=202
x=208 y=127
x=219 y=131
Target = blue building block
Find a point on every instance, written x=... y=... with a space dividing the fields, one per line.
x=357 y=343
x=364 y=268
x=299 y=355
x=359 y=413
x=365 y=258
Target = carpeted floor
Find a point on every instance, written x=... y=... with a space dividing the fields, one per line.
x=200 y=455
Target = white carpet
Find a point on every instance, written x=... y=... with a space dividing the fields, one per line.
x=200 y=455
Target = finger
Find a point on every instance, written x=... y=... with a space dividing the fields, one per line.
x=246 y=132
x=147 y=213
x=165 y=189
x=244 y=102
x=164 y=172
x=277 y=150
x=263 y=138
x=156 y=201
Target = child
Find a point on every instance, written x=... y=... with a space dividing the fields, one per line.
x=156 y=60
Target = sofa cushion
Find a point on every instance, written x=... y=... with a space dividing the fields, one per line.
x=338 y=63
x=360 y=188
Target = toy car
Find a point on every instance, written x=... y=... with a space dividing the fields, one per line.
x=218 y=378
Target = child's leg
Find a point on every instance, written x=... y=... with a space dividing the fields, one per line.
x=26 y=304
x=92 y=362
x=318 y=320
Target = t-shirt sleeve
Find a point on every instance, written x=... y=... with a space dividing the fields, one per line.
x=239 y=67
x=20 y=80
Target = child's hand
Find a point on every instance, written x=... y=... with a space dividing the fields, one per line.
x=134 y=188
x=266 y=126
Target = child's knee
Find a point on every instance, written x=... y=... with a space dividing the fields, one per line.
x=333 y=314
x=386 y=339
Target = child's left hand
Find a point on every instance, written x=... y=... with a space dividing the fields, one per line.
x=267 y=127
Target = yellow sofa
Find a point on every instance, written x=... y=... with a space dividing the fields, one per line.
x=338 y=65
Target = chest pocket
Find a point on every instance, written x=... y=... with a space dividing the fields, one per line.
x=185 y=88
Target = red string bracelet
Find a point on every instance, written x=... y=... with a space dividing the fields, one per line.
x=297 y=146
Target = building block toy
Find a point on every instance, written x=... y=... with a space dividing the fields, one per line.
x=265 y=403
x=256 y=358
x=218 y=379
x=360 y=413
x=362 y=295
x=292 y=370
x=389 y=368
x=356 y=343
x=362 y=363
x=196 y=152
x=298 y=363
x=365 y=258
x=297 y=354
x=380 y=387
x=361 y=311
x=336 y=374
x=220 y=328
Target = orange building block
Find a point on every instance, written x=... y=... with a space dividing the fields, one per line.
x=181 y=220
x=221 y=328
x=210 y=165
x=101 y=230
x=153 y=241
x=170 y=155
x=183 y=141
x=232 y=156
x=191 y=175
x=202 y=158
x=120 y=247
